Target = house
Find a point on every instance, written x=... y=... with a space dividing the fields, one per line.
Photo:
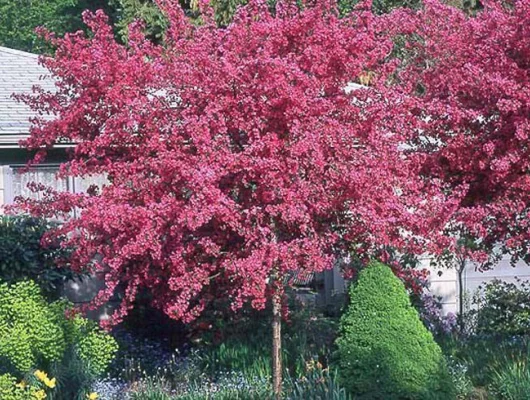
x=19 y=71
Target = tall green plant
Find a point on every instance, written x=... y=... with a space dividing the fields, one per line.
x=384 y=350
x=379 y=6
x=317 y=383
x=512 y=382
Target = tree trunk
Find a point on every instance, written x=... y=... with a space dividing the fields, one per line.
x=277 y=345
x=460 y=272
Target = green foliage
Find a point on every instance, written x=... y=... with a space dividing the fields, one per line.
x=225 y=10
x=226 y=388
x=502 y=308
x=97 y=350
x=317 y=383
x=156 y=23
x=10 y=389
x=74 y=377
x=230 y=394
x=463 y=385
x=150 y=392
x=379 y=6
x=246 y=343
x=7 y=385
x=35 y=334
x=512 y=381
x=500 y=366
x=232 y=360
x=147 y=11
x=484 y=357
x=384 y=350
x=30 y=331
x=19 y=18
x=22 y=256
x=252 y=358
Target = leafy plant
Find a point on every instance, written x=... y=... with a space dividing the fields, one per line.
x=30 y=330
x=150 y=392
x=512 y=381
x=37 y=387
x=379 y=6
x=254 y=359
x=483 y=357
x=147 y=11
x=462 y=383
x=245 y=345
x=19 y=18
x=318 y=384
x=23 y=256
x=227 y=387
x=384 y=350
x=74 y=377
x=38 y=334
x=230 y=394
x=502 y=308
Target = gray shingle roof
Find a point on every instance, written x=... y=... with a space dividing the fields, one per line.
x=19 y=72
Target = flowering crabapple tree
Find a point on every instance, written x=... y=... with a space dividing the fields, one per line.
x=467 y=79
x=233 y=156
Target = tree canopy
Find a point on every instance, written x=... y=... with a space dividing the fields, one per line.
x=234 y=156
x=19 y=18
x=467 y=79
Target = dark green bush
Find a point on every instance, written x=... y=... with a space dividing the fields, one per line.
x=384 y=350
x=22 y=256
x=502 y=309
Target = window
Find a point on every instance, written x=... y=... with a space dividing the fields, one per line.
x=16 y=182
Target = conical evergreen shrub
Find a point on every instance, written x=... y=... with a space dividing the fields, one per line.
x=384 y=350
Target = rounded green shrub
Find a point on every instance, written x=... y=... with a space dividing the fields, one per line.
x=97 y=350
x=29 y=330
x=502 y=309
x=37 y=334
x=384 y=350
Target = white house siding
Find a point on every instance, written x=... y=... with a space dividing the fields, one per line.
x=2 y=189
x=444 y=281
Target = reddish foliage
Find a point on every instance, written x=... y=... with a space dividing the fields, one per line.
x=233 y=155
x=467 y=79
x=415 y=279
